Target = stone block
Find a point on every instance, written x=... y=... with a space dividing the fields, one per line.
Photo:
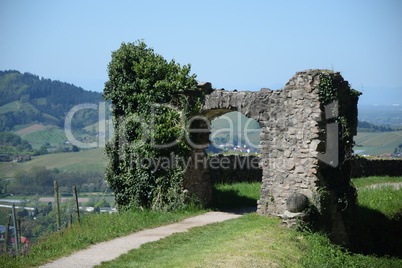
x=296 y=202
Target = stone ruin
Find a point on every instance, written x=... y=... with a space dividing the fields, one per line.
x=305 y=152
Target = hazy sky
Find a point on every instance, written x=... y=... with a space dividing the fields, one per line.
x=242 y=45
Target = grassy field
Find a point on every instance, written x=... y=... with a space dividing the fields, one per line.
x=89 y=160
x=39 y=134
x=378 y=143
x=51 y=134
x=241 y=194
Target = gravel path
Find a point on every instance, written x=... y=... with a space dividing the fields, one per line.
x=109 y=250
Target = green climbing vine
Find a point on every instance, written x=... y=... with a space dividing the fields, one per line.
x=328 y=93
x=152 y=98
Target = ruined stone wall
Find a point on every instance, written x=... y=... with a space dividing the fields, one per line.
x=305 y=146
x=289 y=143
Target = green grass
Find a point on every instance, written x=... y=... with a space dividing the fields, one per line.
x=320 y=252
x=94 y=228
x=249 y=241
x=378 y=143
x=254 y=241
x=234 y=195
x=385 y=199
x=89 y=160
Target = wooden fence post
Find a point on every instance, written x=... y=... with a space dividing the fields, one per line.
x=77 y=208
x=6 y=238
x=56 y=196
x=70 y=220
x=19 y=231
x=15 y=229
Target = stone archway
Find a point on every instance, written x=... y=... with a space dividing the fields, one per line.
x=302 y=152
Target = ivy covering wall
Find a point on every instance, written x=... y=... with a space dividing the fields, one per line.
x=152 y=100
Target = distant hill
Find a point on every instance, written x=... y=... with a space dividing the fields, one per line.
x=26 y=99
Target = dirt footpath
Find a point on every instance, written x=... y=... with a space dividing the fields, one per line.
x=112 y=249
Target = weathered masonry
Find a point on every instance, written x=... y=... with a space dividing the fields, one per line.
x=306 y=143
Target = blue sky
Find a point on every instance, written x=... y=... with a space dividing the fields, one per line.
x=244 y=45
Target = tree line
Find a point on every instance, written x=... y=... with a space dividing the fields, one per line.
x=363 y=126
x=12 y=145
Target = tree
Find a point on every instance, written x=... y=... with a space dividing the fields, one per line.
x=143 y=88
x=42 y=150
x=22 y=214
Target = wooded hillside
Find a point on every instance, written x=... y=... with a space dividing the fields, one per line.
x=25 y=98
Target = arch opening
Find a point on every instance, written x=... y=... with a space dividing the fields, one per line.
x=233 y=161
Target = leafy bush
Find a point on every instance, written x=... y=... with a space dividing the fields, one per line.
x=152 y=98
x=13 y=144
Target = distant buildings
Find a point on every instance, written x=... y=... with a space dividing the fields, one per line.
x=228 y=147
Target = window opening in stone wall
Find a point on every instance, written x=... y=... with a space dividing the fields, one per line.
x=234 y=133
